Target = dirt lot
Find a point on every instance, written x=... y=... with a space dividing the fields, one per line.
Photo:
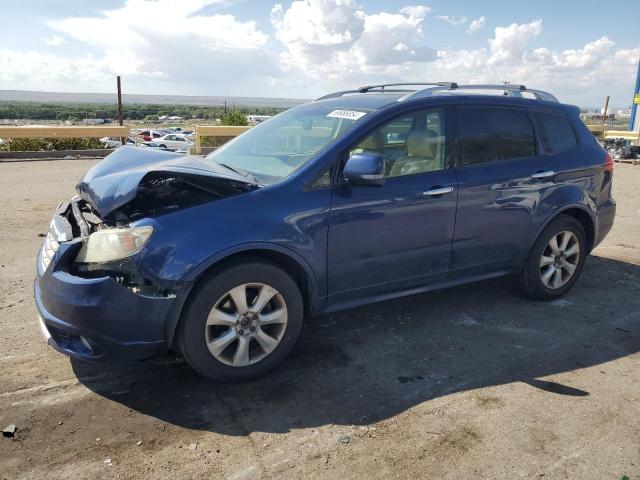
x=471 y=382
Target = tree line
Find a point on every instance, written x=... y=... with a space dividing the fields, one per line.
x=76 y=112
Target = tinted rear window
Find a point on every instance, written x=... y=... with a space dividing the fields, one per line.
x=491 y=134
x=557 y=133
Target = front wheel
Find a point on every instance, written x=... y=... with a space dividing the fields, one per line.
x=241 y=322
x=555 y=260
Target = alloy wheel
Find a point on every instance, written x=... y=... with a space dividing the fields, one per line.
x=246 y=324
x=559 y=259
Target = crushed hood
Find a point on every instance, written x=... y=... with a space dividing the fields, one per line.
x=115 y=181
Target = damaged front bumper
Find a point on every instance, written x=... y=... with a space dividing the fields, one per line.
x=96 y=319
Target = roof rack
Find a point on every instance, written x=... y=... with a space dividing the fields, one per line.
x=508 y=90
x=441 y=87
x=383 y=87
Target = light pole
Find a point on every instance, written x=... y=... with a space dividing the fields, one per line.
x=634 y=121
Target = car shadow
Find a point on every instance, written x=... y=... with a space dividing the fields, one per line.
x=367 y=364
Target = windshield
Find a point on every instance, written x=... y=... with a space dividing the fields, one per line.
x=275 y=148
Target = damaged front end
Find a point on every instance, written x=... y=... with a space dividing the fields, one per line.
x=99 y=290
x=99 y=249
x=108 y=310
x=131 y=185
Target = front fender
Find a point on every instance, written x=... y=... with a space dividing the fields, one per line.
x=197 y=272
x=174 y=317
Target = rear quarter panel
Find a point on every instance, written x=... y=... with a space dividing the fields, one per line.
x=582 y=181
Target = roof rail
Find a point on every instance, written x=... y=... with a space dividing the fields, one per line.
x=383 y=87
x=508 y=89
x=439 y=87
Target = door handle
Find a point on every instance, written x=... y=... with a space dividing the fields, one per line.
x=437 y=191
x=543 y=175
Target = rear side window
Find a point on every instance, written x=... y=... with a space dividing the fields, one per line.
x=492 y=134
x=557 y=133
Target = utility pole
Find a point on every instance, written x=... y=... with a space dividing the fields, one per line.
x=604 y=112
x=122 y=139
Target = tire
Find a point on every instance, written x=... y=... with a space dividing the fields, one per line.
x=538 y=281
x=163 y=146
x=214 y=298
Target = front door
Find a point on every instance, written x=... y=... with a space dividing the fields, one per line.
x=398 y=235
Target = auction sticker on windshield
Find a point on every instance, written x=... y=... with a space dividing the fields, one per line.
x=347 y=114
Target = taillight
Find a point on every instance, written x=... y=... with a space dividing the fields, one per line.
x=608 y=162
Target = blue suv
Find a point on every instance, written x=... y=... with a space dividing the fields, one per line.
x=357 y=197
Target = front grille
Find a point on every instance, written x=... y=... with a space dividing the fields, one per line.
x=49 y=248
x=68 y=222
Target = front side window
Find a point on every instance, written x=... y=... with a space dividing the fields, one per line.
x=557 y=133
x=410 y=144
x=493 y=134
x=277 y=147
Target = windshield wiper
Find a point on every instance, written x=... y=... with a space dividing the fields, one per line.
x=243 y=173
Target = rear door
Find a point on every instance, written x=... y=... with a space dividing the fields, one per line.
x=561 y=141
x=503 y=180
x=398 y=235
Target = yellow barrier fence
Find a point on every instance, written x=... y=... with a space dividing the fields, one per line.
x=7 y=133
x=607 y=132
x=215 y=131
x=63 y=132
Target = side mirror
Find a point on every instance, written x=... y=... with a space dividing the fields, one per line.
x=365 y=169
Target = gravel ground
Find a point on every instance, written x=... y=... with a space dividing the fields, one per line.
x=469 y=382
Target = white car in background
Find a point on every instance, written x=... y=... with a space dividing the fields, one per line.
x=115 y=142
x=175 y=142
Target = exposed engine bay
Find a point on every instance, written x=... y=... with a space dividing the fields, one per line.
x=165 y=192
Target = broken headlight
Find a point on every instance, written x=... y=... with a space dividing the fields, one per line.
x=113 y=244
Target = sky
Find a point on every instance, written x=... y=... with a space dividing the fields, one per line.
x=579 y=50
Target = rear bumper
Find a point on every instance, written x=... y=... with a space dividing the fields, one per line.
x=605 y=217
x=98 y=319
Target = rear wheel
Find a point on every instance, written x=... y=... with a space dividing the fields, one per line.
x=555 y=260
x=241 y=322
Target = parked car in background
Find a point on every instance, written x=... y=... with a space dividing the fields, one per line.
x=152 y=145
x=150 y=135
x=174 y=142
x=115 y=142
x=357 y=197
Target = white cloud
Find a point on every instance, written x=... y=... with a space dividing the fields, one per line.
x=337 y=38
x=164 y=46
x=579 y=75
x=455 y=21
x=318 y=28
x=144 y=38
x=394 y=39
x=415 y=11
x=477 y=24
x=138 y=21
x=54 y=41
x=22 y=68
x=174 y=46
x=509 y=43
